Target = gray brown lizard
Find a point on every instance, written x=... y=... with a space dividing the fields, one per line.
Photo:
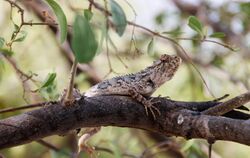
x=140 y=85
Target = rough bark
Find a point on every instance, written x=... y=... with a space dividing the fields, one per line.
x=176 y=119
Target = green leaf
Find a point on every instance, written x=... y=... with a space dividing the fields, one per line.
x=234 y=49
x=187 y=145
x=217 y=61
x=195 y=24
x=245 y=8
x=2 y=40
x=6 y=51
x=61 y=18
x=22 y=35
x=16 y=27
x=218 y=35
x=118 y=17
x=150 y=49
x=84 y=43
x=87 y=14
x=49 y=93
x=159 y=19
x=49 y=80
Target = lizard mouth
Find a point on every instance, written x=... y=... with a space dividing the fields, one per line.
x=165 y=68
x=173 y=60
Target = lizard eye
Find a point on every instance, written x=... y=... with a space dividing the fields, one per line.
x=150 y=82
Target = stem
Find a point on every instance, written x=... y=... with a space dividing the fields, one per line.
x=69 y=94
x=23 y=107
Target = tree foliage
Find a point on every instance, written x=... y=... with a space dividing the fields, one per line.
x=109 y=37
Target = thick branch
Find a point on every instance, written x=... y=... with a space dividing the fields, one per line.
x=177 y=118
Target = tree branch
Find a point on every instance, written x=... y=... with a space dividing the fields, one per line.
x=229 y=105
x=177 y=119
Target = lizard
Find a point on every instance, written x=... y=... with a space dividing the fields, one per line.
x=141 y=85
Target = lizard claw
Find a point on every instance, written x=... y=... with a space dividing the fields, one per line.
x=148 y=104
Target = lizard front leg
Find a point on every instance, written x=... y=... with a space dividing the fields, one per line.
x=148 y=103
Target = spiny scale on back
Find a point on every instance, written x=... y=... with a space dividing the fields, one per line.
x=138 y=85
x=144 y=82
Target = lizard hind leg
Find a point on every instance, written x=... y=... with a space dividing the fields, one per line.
x=148 y=103
x=82 y=142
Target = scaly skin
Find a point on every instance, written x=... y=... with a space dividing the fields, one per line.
x=140 y=85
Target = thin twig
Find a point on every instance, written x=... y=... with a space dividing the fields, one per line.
x=107 y=150
x=207 y=40
x=69 y=95
x=44 y=143
x=107 y=13
x=23 y=23
x=43 y=23
x=147 y=153
x=210 y=150
x=16 y=32
x=14 y=4
x=52 y=147
x=107 y=38
x=23 y=107
x=22 y=76
x=97 y=6
x=180 y=47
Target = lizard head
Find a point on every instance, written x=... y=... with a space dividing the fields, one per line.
x=164 y=69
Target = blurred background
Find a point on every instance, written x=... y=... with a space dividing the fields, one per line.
x=224 y=67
